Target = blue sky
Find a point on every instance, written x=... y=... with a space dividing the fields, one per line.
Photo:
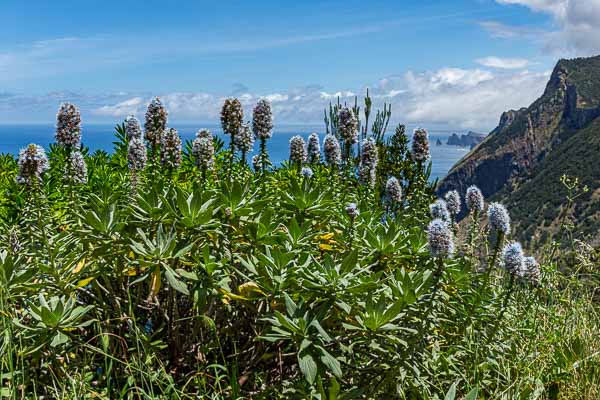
x=424 y=57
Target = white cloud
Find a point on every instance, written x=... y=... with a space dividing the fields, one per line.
x=452 y=97
x=123 y=108
x=577 y=30
x=503 y=63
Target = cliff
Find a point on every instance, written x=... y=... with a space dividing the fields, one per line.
x=521 y=160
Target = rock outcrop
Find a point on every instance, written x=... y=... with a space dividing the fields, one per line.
x=471 y=139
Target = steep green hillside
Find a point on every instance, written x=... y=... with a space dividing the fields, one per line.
x=522 y=159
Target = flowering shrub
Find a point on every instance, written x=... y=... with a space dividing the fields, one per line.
x=289 y=282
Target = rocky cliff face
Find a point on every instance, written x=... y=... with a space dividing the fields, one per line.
x=518 y=150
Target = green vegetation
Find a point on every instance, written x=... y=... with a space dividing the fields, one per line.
x=193 y=276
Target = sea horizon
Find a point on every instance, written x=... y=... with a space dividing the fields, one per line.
x=100 y=136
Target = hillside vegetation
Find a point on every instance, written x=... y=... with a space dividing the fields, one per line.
x=171 y=270
x=524 y=158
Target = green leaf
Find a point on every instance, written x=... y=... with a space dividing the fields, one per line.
x=59 y=338
x=175 y=283
x=331 y=362
x=308 y=366
x=472 y=395
x=451 y=395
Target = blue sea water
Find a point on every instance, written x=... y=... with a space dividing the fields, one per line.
x=101 y=137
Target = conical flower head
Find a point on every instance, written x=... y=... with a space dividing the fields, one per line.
x=332 y=150
x=368 y=162
x=133 y=127
x=313 y=148
x=203 y=150
x=513 y=258
x=76 y=172
x=440 y=239
x=170 y=150
x=439 y=210
x=32 y=163
x=348 y=125
x=232 y=116
x=68 y=126
x=262 y=120
x=156 y=122
x=393 y=190
x=136 y=154
x=453 y=202
x=531 y=270
x=297 y=150
x=474 y=199
x=420 y=145
x=498 y=218
x=244 y=140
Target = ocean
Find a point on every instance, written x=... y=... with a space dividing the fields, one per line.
x=14 y=137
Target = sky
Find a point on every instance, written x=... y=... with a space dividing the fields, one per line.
x=442 y=64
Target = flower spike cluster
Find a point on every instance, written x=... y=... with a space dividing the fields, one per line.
x=453 y=202
x=170 y=151
x=297 y=150
x=133 y=127
x=332 y=150
x=420 y=145
x=32 y=163
x=262 y=120
x=474 y=199
x=203 y=150
x=156 y=123
x=68 y=126
x=368 y=163
x=77 y=169
x=348 y=125
x=440 y=239
x=313 y=148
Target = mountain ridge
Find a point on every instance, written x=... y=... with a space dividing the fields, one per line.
x=528 y=148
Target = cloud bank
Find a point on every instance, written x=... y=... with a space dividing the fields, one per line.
x=448 y=97
x=577 y=31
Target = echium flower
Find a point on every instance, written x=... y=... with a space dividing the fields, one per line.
x=170 y=151
x=368 y=162
x=68 y=126
x=155 y=123
x=498 y=218
x=393 y=190
x=331 y=148
x=297 y=150
x=136 y=154
x=531 y=270
x=262 y=120
x=76 y=169
x=133 y=127
x=474 y=199
x=257 y=162
x=203 y=150
x=453 y=202
x=244 y=140
x=313 y=148
x=32 y=163
x=440 y=239
x=307 y=172
x=439 y=210
x=232 y=116
x=420 y=145
x=348 y=125
x=513 y=258
x=352 y=211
